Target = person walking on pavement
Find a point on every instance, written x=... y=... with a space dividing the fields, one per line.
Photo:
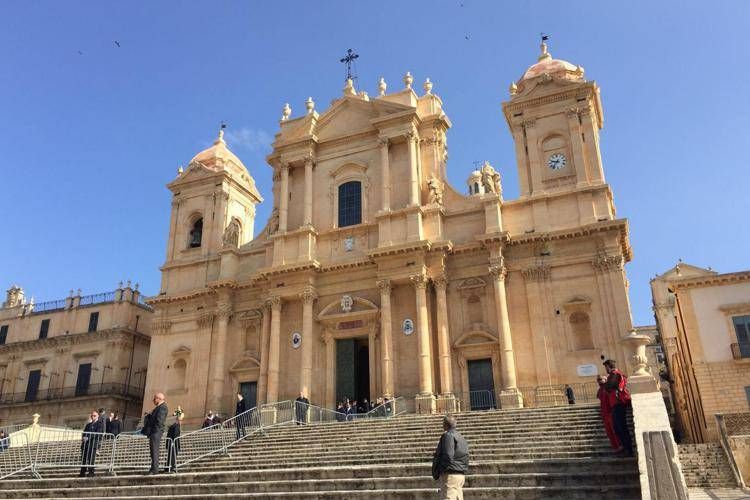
x=451 y=461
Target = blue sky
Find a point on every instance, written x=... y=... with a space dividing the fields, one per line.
x=90 y=139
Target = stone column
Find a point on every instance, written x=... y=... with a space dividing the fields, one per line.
x=273 y=351
x=425 y=399
x=308 y=192
x=386 y=340
x=308 y=299
x=446 y=400
x=412 y=140
x=330 y=370
x=284 y=197
x=265 y=333
x=510 y=397
x=218 y=371
x=386 y=172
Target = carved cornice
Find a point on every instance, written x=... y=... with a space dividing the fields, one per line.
x=539 y=272
x=605 y=263
x=710 y=280
x=385 y=286
x=64 y=343
x=419 y=281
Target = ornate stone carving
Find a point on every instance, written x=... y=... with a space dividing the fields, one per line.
x=418 y=280
x=275 y=302
x=435 y=186
x=205 y=320
x=572 y=112
x=540 y=272
x=384 y=141
x=346 y=303
x=527 y=124
x=491 y=179
x=308 y=295
x=440 y=282
x=231 y=236
x=498 y=272
x=605 y=263
x=224 y=310
x=385 y=286
x=273 y=222
x=160 y=327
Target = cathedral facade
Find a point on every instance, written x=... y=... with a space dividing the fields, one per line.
x=375 y=277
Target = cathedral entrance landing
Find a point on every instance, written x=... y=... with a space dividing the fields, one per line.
x=352 y=369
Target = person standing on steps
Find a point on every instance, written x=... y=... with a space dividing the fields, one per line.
x=90 y=441
x=153 y=427
x=606 y=412
x=570 y=395
x=240 y=420
x=451 y=461
x=619 y=400
x=173 y=444
x=301 y=404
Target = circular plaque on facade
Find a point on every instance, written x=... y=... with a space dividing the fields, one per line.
x=407 y=327
x=296 y=340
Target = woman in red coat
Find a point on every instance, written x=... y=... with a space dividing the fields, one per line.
x=606 y=411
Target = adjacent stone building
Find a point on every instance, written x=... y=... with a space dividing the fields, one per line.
x=704 y=323
x=63 y=358
x=374 y=276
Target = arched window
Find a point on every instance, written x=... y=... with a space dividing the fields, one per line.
x=580 y=324
x=350 y=203
x=177 y=375
x=196 y=234
x=476 y=188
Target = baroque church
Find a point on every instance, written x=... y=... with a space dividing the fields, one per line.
x=375 y=277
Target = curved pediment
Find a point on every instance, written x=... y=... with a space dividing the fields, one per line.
x=181 y=352
x=474 y=338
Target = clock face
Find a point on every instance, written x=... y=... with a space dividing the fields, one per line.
x=556 y=161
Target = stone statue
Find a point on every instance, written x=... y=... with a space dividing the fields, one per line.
x=273 y=223
x=436 y=190
x=231 y=235
x=490 y=179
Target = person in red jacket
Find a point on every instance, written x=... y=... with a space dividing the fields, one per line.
x=619 y=400
x=606 y=411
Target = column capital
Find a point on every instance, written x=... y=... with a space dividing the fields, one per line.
x=274 y=303
x=440 y=282
x=419 y=281
x=205 y=319
x=605 y=263
x=384 y=141
x=310 y=160
x=308 y=295
x=284 y=166
x=385 y=286
x=498 y=272
x=539 y=272
x=411 y=135
x=224 y=310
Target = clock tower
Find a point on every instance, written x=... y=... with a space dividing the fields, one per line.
x=555 y=115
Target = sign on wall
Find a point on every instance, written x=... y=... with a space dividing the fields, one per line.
x=407 y=327
x=296 y=340
x=587 y=370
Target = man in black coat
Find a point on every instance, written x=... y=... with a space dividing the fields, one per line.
x=302 y=404
x=451 y=461
x=114 y=424
x=153 y=427
x=173 y=443
x=90 y=440
x=241 y=420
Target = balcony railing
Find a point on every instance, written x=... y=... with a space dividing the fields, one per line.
x=741 y=350
x=54 y=394
x=52 y=305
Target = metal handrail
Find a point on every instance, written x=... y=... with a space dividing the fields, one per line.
x=724 y=440
x=15 y=455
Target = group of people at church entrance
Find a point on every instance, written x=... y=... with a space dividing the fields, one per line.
x=614 y=400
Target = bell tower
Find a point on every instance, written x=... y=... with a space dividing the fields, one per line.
x=213 y=211
x=555 y=115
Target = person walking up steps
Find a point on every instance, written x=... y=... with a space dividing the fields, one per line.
x=451 y=461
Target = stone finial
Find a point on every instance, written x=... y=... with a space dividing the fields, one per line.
x=364 y=95
x=78 y=292
x=285 y=112
x=349 y=87
x=119 y=285
x=544 y=52
x=408 y=80
x=220 y=137
x=180 y=170
x=71 y=290
x=136 y=286
x=128 y=285
x=513 y=89
x=310 y=105
x=427 y=86
x=382 y=86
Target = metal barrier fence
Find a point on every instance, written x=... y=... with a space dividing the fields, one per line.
x=555 y=395
x=311 y=414
x=15 y=455
x=69 y=448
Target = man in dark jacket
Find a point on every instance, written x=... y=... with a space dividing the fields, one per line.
x=154 y=429
x=114 y=424
x=241 y=420
x=173 y=444
x=451 y=461
x=90 y=440
x=302 y=404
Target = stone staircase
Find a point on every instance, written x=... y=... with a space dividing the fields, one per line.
x=706 y=466
x=559 y=453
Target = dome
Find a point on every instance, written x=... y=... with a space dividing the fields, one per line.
x=475 y=175
x=553 y=67
x=218 y=157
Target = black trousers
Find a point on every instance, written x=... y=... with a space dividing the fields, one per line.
x=172 y=456
x=88 y=458
x=154 y=442
x=620 y=423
